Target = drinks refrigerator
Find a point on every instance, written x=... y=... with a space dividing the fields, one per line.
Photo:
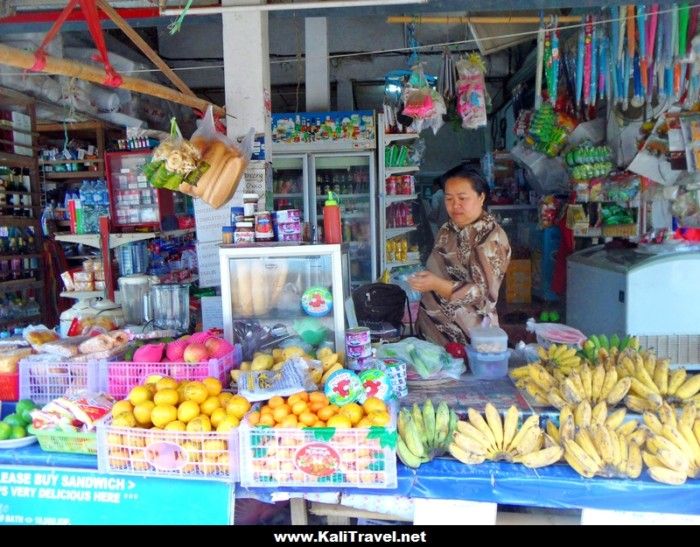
x=314 y=153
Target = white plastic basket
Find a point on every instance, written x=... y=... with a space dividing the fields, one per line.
x=44 y=381
x=120 y=376
x=319 y=457
x=174 y=454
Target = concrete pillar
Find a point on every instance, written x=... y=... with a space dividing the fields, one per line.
x=318 y=95
x=346 y=101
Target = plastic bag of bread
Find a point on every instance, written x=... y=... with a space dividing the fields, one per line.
x=10 y=358
x=37 y=335
x=227 y=162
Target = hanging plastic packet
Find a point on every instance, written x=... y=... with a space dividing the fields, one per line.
x=471 y=91
x=423 y=103
x=174 y=161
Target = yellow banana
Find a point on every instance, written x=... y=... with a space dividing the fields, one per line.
x=442 y=424
x=619 y=390
x=468 y=444
x=676 y=379
x=540 y=376
x=478 y=421
x=520 y=372
x=542 y=353
x=599 y=413
x=615 y=446
x=688 y=415
x=667 y=476
x=650 y=460
x=623 y=447
x=552 y=431
x=465 y=457
x=532 y=421
x=467 y=429
x=627 y=428
x=510 y=425
x=627 y=366
x=608 y=383
x=428 y=413
x=641 y=389
x=634 y=461
x=642 y=374
x=692 y=442
x=689 y=388
x=567 y=428
x=583 y=439
x=637 y=437
x=660 y=376
x=555 y=399
x=652 y=422
x=603 y=444
x=587 y=381
x=667 y=415
x=570 y=392
x=530 y=442
x=417 y=415
x=582 y=414
x=598 y=377
x=579 y=460
x=675 y=436
x=542 y=458
x=673 y=460
x=639 y=405
x=536 y=392
x=493 y=419
x=616 y=418
x=405 y=455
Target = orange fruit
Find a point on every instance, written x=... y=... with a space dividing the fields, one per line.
x=374 y=404
x=217 y=416
x=225 y=397
x=364 y=423
x=166 y=383
x=265 y=409
x=187 y=411
x=296 y=398
x=317 y=405
x=289 y=421
x=308 y=418
x=213 y=385
x=280 y=413
x=210 y=405
x=238 y=406
x=166 y=396
x=175 y=425
x=122 y=406
x=228 y=423
x=200 y=423
x=139 y=394
x=353 y=411
x=299 y=407
x=197 y=392
x=142 y=413
x=340 y=421
x=380 y=418
x=317 y=396
x=326 y=412
x=162 y=415
x=254 y=418
x=125 y=419
x=275 y=401
x=267 y=419
x=320 y=424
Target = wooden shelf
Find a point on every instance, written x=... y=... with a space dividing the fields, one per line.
x=19 y=320
x=389 y=171
x=16 y=160
x=400 y=197
x=10 y=257
x=393 y=137
x=20 y=284
x=7 y=220
x=55 y=175
x=63 y=162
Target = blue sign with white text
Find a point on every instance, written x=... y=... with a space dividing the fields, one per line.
x=42 y=495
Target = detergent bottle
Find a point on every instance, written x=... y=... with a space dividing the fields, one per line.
x=332 y=229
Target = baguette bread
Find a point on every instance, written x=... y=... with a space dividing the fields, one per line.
x=245 y=293
x=280 y=279
x=260 y=285
x=235 y=293
x=216 y=156
x=222 y=189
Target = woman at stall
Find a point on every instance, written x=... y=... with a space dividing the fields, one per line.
x=466 y=267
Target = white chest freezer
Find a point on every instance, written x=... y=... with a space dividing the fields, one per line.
x=627 y=291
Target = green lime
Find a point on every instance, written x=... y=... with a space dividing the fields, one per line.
x=18 y=432
x=24 y=404
x=26 y=416
x=13 y=420
x=5 y=431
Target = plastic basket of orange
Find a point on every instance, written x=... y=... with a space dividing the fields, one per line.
x=304 y=440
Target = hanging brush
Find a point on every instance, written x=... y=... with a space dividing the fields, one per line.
x=652 y=21
x=642 y=30
x=603 y=64
x=594 y=64
x=614 y=90
x=447 y=77
x=579 y=68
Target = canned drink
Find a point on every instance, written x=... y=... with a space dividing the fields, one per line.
x=391 y=186
x=263 y=226
x=359 y=336
x=407 y=184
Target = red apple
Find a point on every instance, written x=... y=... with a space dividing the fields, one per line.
x=195 y=353
x=218 y=347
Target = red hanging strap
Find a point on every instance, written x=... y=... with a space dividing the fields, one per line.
x=40 y=53
x=92 y=18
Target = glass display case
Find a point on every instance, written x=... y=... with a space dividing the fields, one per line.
x=283 y=294
x=133 y=201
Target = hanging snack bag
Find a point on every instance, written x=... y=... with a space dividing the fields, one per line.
x=471 y=91
x=422 y=103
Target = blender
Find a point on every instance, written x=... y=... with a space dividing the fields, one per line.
x=133 y=289
x=169 y=306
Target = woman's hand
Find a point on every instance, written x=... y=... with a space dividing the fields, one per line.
x=427 y=281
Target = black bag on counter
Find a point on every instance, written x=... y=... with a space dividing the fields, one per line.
x=378 y=303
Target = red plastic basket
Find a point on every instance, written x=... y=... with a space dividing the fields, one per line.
x=123 y=375
x=9 y=386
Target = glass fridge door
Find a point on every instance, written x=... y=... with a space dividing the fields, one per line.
x=283 y=295
x=288 y=186
x=351 y=177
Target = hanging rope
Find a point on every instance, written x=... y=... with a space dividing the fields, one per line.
x=175 y=26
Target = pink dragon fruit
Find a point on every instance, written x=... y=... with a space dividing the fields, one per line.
x=150 y=353
x=200 y=337
x=176 y=349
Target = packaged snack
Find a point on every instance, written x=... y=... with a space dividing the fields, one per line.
x=471 y=91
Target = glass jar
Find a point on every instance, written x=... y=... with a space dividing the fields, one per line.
x=227 y=235
x=250 y=204
x=244 y=233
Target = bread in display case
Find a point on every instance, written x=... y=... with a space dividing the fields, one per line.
x=276 y=295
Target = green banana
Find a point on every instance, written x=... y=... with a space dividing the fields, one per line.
x=453 y=425
x=417 y=414
x=589 y=349
x=615 y=341
x=596 y=342
x=604 y=343
x=442 y=425
x=404 y=414
x=634 y=343
x=625 y=342
x=413 y=439
x=406 y=456
x=429 y=424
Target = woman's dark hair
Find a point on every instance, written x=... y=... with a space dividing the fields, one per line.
x=465 y=171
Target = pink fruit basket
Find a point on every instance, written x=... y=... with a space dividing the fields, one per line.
x=121 y=376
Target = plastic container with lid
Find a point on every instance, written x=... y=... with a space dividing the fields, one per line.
x=250 y=204
x=244 y=233
x=488 y=339
x=227 y=234
x=488 y=366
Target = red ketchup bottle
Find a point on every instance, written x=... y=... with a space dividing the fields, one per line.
x=332 y=229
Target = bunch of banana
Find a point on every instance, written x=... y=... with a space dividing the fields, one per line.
x=424 y=433
x=559 y=357
x=598 y=444
x=673 y=449
x=653 y=382
x=594 y=385
x=614 y=345
x=479 y=439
